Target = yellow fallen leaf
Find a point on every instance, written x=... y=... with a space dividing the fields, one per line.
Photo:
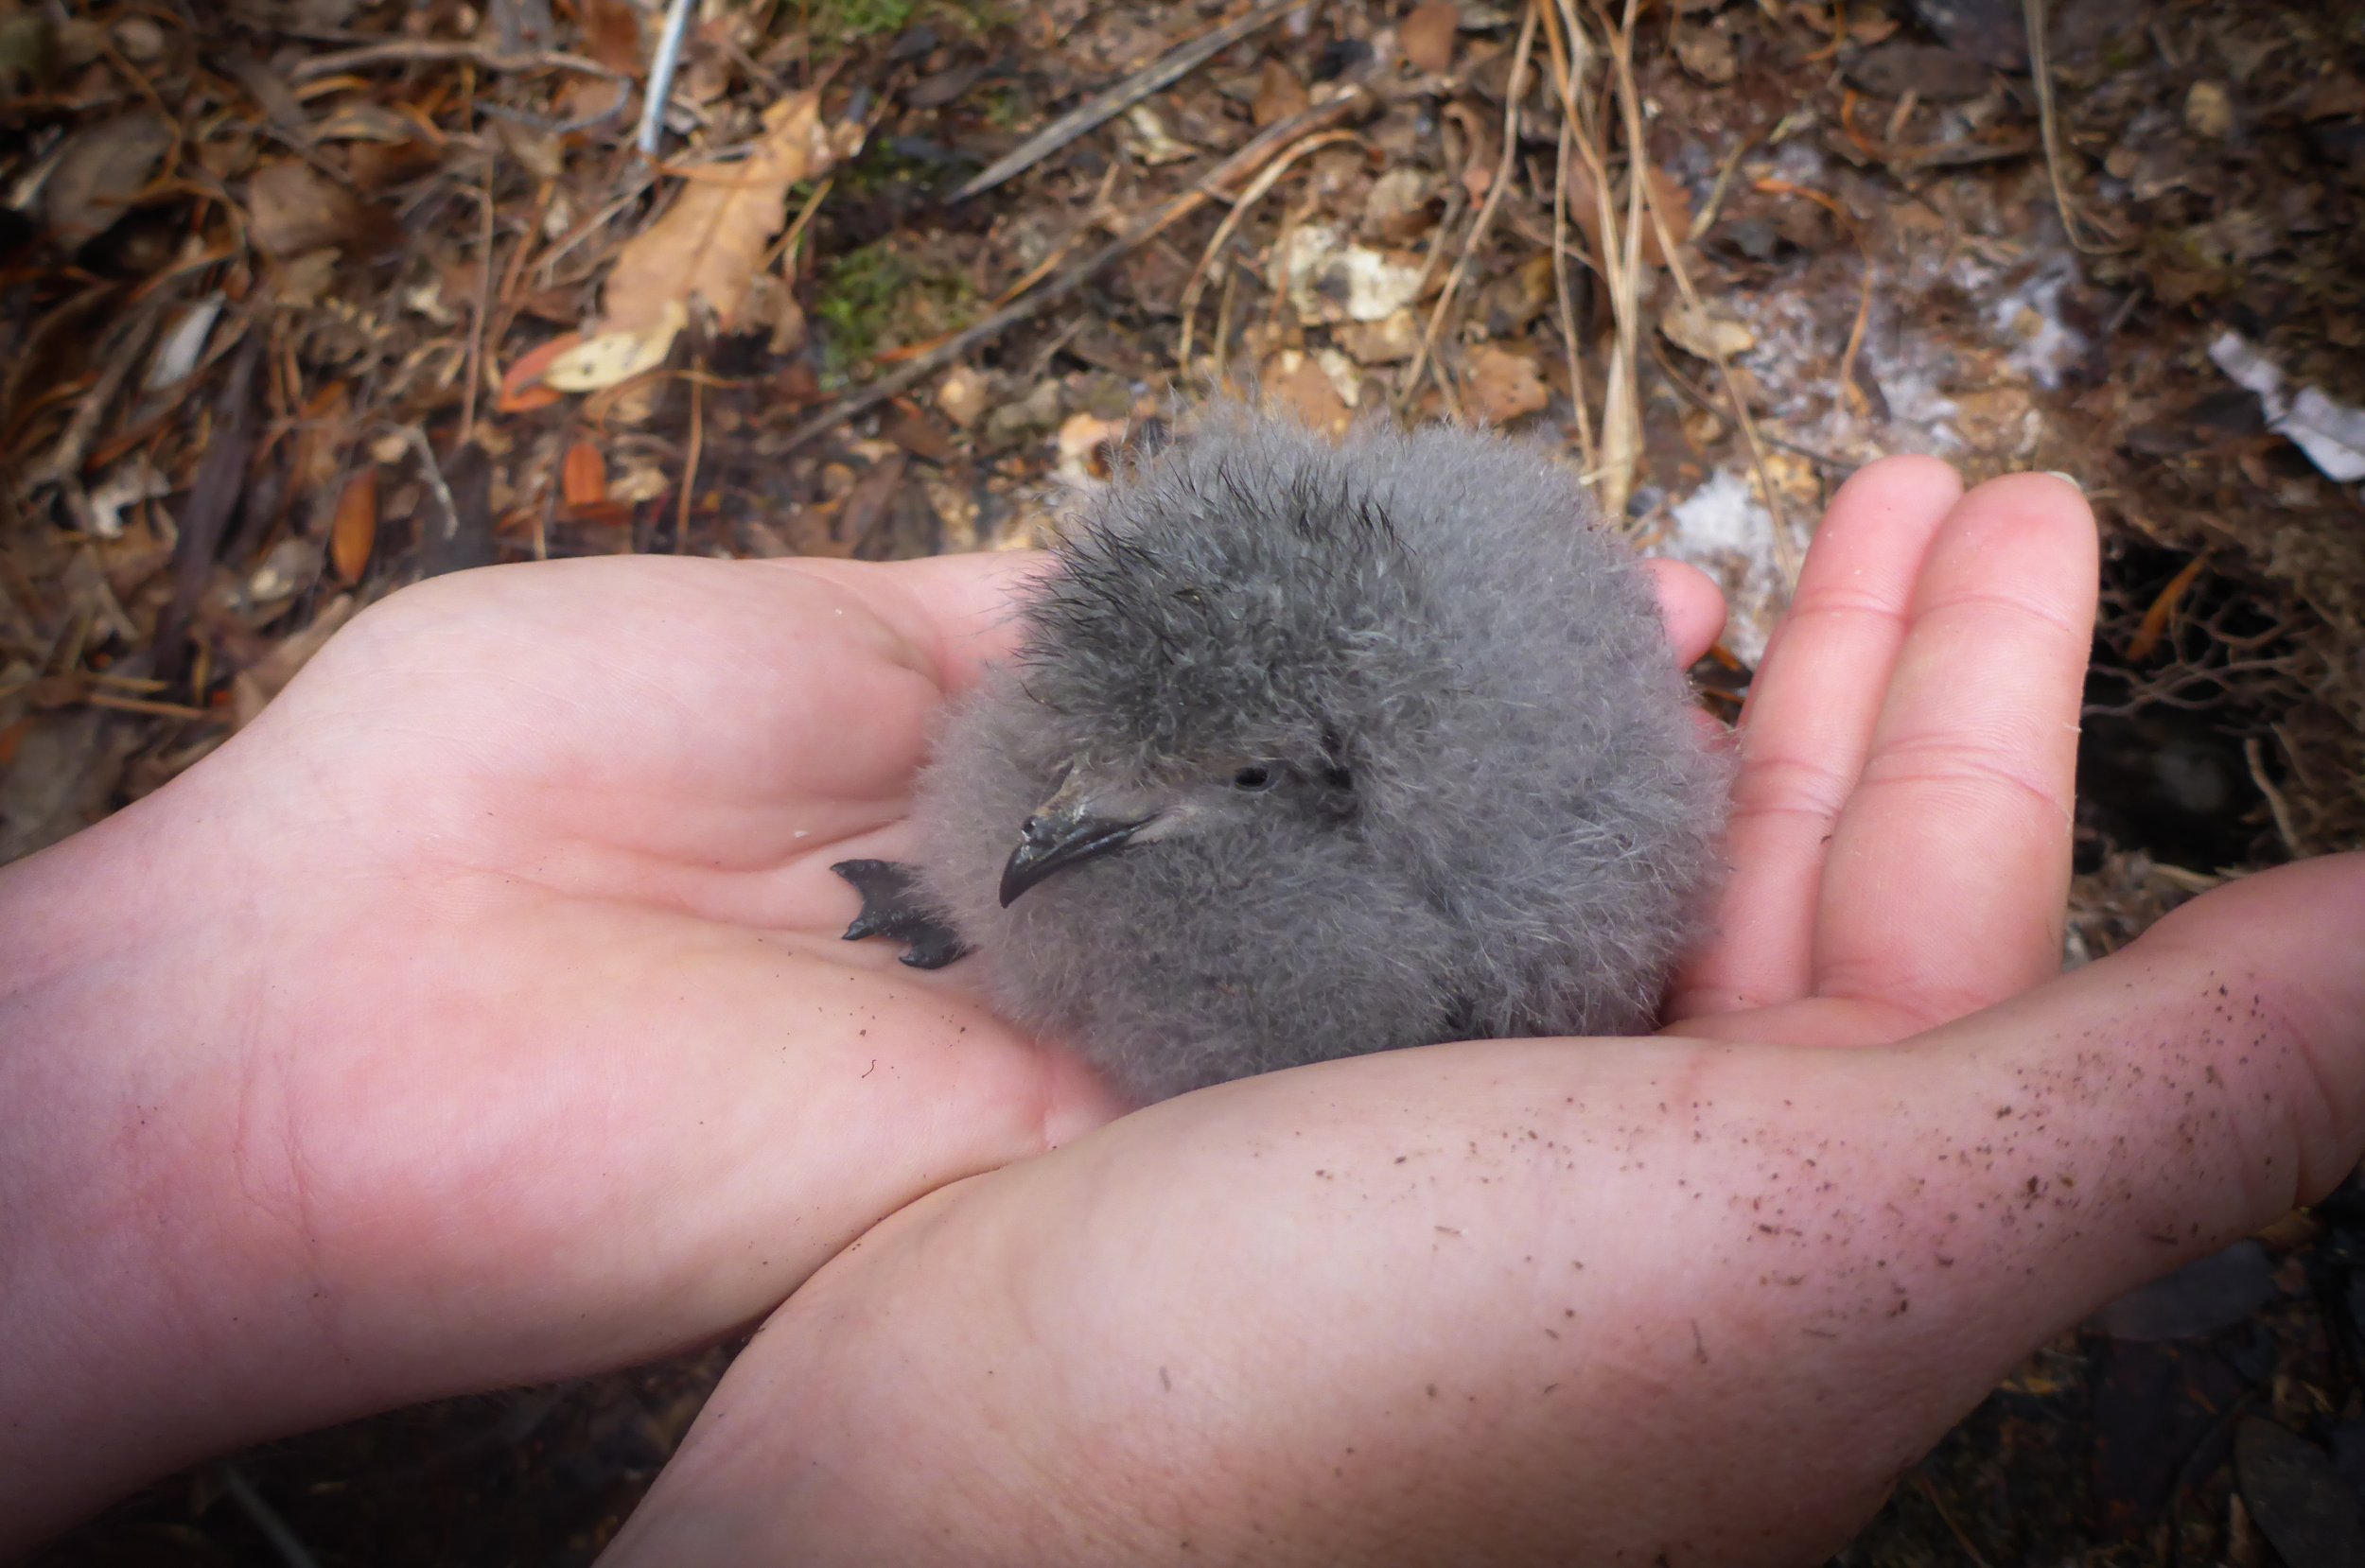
x=1706 y=336
x=605 y=358
x=709 y=245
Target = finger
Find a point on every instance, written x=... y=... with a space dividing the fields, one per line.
x=1644 y=1293
x=1947 y=870
x=1808 y=728
x=959 y=610
x=1690 y=604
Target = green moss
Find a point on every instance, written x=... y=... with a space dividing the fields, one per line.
x=842 y=20
x=871 y=300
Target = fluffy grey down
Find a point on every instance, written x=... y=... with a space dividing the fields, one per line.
x=1396 y=741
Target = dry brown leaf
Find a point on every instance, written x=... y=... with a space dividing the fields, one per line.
x=707 y=246
x=582 y=477
x=103 y=167
x=1279 y=94
x=1504 y=386
x=354 y=529
x=1428 y=36
x=1298 y=384
x=292 y=208
x=611 y=35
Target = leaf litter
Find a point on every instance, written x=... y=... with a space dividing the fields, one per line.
x=303 y=303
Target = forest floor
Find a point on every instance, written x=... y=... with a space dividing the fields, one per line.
x=304 y=300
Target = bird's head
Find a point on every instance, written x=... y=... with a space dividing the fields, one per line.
x=1218 y=643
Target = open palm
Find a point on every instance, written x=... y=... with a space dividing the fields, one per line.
x=1691 y=1299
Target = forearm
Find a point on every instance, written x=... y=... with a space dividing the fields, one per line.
x=146 y=1284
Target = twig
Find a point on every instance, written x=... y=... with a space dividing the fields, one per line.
x=1785 y=549
x=1570 y=345
x=786 y=245
x=2275 y=802
x=1162 y=72
x=2049 y=131
x=266 y=1521
x=1231 y=224
x=690 y=461
x=477 y=317
x=1698 y=396
x=1246 y=160
x=427 y=51
x=1847 y=219
x=114 y=704
x=1929 y=1489
x=662 y=69
x=1513 y=92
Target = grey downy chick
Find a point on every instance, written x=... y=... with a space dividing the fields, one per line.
x=1313 y=751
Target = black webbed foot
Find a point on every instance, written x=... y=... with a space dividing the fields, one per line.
x=891 y=908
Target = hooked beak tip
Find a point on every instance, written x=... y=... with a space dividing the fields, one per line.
x=1052 y=844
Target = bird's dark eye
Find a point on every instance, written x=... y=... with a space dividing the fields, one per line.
x=1256 y=776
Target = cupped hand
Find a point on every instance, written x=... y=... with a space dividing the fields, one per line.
x=479 y=1016
x=1691 y=1299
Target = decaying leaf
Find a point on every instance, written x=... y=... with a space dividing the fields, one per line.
x=582 y=476
x=1504 y=386
x=707 y=247
x=103 y=167
x=522 y=391
x=1705 y=336
x=1330 y=280
x=611 y=34
x=608 y=359
x=1279 y=94
x=292 y=207
x=1427 y=36
x=354 y=531
x=1303 y=385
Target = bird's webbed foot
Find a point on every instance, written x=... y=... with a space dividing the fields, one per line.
x=892 y=907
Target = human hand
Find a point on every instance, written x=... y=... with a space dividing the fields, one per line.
x=1692 y=1300
x=479 y=1014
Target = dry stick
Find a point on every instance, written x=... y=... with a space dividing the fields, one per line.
x=1556 y=50
x=1162 y=72
x=1566 y=313
x=1486 y=219
x=1249 y=157
x=1621 y=402
x=429 y=51
x=1847 y=219
x=485 y=301
x=1785 y=549
x=689 y=463
x=2285 y=828
x=2048 y=127
x=1231 y=224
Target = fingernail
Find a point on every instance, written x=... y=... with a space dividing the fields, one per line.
x=2066 y=478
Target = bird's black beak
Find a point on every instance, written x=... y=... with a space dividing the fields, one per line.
x=1063 y=833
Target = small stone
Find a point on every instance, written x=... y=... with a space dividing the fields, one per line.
x=140 y=40
x=961 y=395
x=2207 y=111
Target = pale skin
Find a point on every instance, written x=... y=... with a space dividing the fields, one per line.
x=478 y=1017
